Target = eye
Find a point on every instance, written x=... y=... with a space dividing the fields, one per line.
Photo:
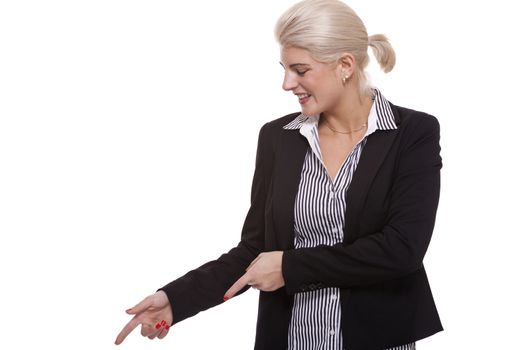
x=301 y=73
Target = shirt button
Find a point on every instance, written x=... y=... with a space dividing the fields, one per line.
x=333 y=297
x=332 y=332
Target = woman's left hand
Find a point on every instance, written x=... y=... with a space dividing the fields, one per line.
x=264 y=273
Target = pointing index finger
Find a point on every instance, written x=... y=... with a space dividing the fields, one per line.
x=237 y=286
x=253 y=262
x=128 y=328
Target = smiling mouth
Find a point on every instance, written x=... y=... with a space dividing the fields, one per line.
x=303 y=98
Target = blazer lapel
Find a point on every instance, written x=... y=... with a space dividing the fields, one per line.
x=377 y=146
x=290 y=154
x=287 y=175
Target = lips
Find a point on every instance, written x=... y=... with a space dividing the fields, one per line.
x=303 y=98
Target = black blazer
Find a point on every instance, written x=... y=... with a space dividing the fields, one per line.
x=391 y=206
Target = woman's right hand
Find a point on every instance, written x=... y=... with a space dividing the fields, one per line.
x=153 y=313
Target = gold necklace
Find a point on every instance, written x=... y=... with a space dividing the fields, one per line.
x=345 y=132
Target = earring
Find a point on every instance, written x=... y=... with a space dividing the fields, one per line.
x=344 y=79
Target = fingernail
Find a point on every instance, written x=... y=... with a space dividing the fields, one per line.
x=167 y=327
x=157 y=325
x=128 y=310
x=163 y=323
x=226 y=298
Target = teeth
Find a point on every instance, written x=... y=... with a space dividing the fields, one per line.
x=302 y=96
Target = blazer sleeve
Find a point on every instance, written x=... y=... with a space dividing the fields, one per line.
x=205 y=286
x=399 y=247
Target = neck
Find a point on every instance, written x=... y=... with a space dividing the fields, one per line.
x=351 y=113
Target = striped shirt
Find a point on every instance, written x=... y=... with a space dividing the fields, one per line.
x=319 y=220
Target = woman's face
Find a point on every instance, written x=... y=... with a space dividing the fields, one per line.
x=317 y=85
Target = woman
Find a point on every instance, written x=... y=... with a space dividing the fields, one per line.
x=344 y=198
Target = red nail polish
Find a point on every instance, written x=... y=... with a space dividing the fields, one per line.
x=163 y=323
x=157 y=325
x=167 y=327
x=226 y=298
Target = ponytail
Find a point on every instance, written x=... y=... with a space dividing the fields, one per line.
x=385 y=54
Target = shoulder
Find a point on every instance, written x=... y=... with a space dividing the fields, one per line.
x=417 y=129
x=274 y=128
x=413 y=120
x=272 y=131
x=277 y=125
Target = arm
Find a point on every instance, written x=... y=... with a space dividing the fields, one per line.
x=399 y=247
x=205 y=286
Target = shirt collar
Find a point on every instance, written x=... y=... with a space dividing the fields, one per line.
x=381 y=116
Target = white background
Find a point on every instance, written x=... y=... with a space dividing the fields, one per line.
x=128 y=132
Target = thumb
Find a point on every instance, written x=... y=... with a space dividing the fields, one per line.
x=143 y=305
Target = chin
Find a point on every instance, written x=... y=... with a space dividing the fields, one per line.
x=309 y=111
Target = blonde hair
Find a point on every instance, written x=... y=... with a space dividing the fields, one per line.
x=329 y=28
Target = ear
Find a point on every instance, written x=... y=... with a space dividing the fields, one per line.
x=348 y=64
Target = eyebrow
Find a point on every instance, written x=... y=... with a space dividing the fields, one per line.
x=295 y=65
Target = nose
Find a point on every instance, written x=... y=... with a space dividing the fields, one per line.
x=289 y=83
